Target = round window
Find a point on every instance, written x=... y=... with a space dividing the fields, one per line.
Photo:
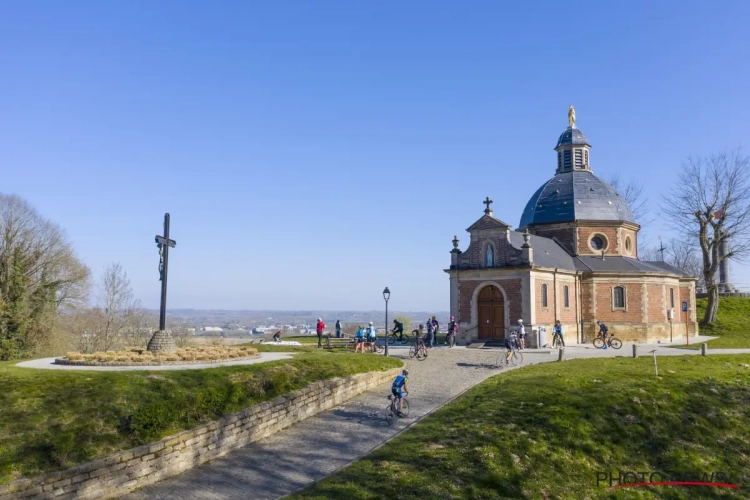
x=597 y=243
x=628 y=245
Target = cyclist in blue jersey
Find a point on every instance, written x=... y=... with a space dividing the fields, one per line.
x=399 y=385
x=360 y=339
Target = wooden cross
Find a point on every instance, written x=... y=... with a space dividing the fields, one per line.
x=163 y=242
x=488 y=202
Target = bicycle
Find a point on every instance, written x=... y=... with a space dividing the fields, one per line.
x=374 y=346
x=613 y=342
x=512 y=357
x=557 y=341
x=391 y=410
x=418 y=350
x=392 y=338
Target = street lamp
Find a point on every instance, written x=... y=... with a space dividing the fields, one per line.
x=386 y=296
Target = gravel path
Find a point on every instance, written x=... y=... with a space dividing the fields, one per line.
x=49 y=364
x=310 y=450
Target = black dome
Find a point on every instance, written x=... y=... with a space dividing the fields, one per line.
x=572 y=196
x=572 y=135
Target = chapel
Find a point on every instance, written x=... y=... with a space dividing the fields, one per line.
x=573 y=258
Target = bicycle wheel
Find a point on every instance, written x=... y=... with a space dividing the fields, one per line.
x=616 y=343
x=421 y=353
x=598 y=342
x=500 y=361
x=404 y=407
x=412 y=351
x=389 y=414
x=391 y=338
x=407 y=339
x=380 y=348
x=516 y=359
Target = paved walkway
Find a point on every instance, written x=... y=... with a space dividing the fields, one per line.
x=310 y=450
x=49 y=364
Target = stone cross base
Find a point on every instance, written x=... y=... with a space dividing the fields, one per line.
x=162 y=341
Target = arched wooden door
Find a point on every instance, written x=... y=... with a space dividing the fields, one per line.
x=491 y=308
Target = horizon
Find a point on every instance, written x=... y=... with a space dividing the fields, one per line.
x=310 y=155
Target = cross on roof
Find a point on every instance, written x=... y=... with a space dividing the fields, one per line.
x=488 y=202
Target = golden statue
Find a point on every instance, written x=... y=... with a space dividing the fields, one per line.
x=572 y=116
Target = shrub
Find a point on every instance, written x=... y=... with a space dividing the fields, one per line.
x=173 y=357
x=151 y=420
x=74 y=356
x=122 y=358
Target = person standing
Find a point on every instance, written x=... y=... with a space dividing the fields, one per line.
x=319 y=329
x=521 y=334
x=338 y=329
x=435 y=328
x=429 y=333
x=452 y=329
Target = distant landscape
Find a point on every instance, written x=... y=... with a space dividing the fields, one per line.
x=240 y=323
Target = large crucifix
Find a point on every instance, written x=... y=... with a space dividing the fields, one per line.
x=163 y=242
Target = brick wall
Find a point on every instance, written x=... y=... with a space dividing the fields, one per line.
x=567 y=315
x=544 y=315
x=633 y=242
x=657 y=308
x=125 y=471
x=585 y=233
x=633 y=301
x=505 y=253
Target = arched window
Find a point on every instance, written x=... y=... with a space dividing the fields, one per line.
x=671 y=297
x=544 y=295
x=618 y=297
x=489 y=256
x=566 y=297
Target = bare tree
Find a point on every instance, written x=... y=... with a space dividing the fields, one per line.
x=140 y=325
x=632 y=191
x=116 y=307
x=39 y=276
x=710 y=203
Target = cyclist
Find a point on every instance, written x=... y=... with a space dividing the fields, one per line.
x=398 y=329
x=371 y=335
x=603 y=331
x=360 y=338
x=418 y=335
x=557 y=331
x=399 y=385
x=452 y=328
x=277 y=336
x=508 y=348
x=521 y=334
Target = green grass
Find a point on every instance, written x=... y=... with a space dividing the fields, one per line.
x=732 y=324
x=54 y=419
x=544 y=431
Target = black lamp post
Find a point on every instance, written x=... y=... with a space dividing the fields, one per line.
x=386 y=296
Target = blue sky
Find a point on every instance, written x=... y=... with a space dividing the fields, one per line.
x=311 y=153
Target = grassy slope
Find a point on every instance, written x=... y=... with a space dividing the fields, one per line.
x=548 y=429
x=732 y=325
x=52 y=419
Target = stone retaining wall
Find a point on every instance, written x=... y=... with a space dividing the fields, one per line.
x=125 y=471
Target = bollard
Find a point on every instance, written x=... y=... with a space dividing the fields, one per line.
x=635 y=351
x=703 y=349
x=656 y=368
x=560 y=355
